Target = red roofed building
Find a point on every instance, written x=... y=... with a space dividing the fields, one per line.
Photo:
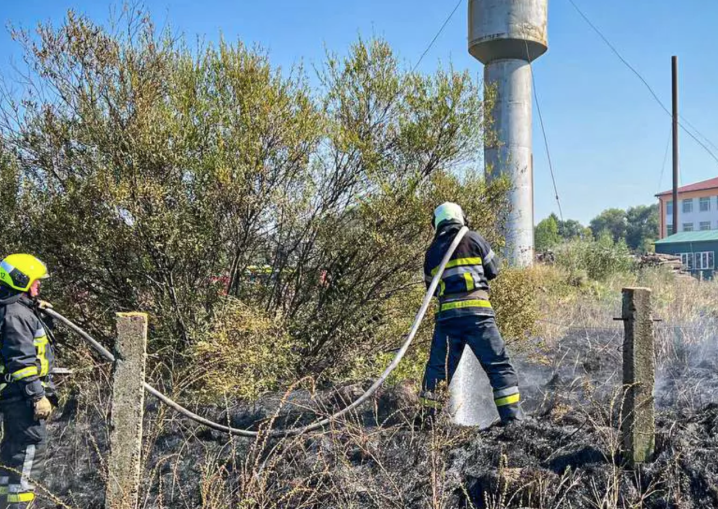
x=698 y=208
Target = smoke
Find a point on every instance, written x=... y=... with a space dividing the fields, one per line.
x=586 y=366
x=687 y=365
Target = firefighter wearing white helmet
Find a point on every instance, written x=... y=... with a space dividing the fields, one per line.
x=465 y=316
x=26 y=389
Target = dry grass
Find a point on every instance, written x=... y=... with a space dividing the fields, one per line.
x=685 y=307
x=344 y=466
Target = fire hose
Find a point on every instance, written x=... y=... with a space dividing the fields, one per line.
x=303 y=429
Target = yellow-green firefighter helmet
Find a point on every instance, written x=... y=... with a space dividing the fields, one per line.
x=20 y=271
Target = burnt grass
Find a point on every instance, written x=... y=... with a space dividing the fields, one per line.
x=567 y=455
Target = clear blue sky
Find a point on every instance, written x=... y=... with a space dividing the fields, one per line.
x=606 y=133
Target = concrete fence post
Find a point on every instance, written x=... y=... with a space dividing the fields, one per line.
x=639 y=373
x=128 y=397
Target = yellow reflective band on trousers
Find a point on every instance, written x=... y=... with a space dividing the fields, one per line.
x=460 y=262
x=25 y=373
x=508 y=400
x=462 y=304
x=14 y=498
x=3 y=491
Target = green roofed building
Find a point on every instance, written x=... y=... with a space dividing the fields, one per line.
x=697 y=250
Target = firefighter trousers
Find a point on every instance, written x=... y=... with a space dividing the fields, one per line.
x=482 y=335
x=23 y=452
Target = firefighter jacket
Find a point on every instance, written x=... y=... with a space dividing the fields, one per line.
x=27 y=355
x=464 y=286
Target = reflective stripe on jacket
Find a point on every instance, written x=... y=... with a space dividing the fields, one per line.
x=464 y=286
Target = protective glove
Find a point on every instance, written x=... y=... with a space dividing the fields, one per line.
x=43 y=304
x=43 y=409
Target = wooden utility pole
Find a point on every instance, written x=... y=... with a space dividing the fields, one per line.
x=674 y=62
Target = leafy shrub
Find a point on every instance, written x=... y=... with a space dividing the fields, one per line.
x=515 y=301
x=368 y=359
x=155 y=177
x=241 y=352
x=598 y=259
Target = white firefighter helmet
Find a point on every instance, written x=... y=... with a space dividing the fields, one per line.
x=448 y=212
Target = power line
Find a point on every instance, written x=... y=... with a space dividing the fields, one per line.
x=665 y=158
x=543 y=130
x=548 y=152
x=643 y=80
x=441 y=30
x=685 y=120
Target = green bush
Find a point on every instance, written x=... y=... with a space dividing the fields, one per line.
x=158 y=174
x=369 y=358
x=515 y=300
x=240 y=352
x=595 y=259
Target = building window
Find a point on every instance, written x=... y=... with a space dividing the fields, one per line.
x=669 y=208
x=687 y=227
x=705 y=260
x=705 y=225
x=669 y=229
x=687 y=260
x=705 y=204
x=688 y=206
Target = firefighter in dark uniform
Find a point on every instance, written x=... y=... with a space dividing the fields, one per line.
x=26 y=390
x=465 y=316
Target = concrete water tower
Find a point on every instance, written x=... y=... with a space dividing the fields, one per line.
x=505 y=36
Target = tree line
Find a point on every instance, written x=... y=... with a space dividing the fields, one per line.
x=637 y=227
